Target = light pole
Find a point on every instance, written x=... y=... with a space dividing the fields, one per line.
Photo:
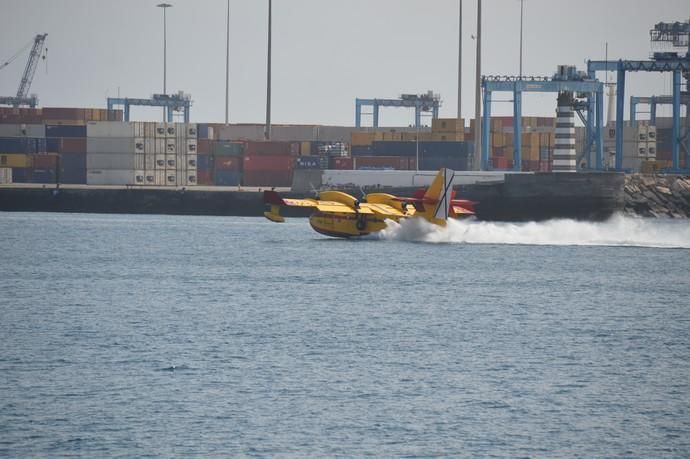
x=164 y=6
x=522 y=4
x=227 y=65
x=460 y=61
x=267 y=132
x=478 y=93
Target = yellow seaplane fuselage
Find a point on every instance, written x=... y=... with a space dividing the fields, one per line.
x=339 y=214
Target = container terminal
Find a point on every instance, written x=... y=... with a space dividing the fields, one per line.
x=517 y=167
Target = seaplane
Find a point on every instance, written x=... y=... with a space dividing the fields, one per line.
x=339 y=214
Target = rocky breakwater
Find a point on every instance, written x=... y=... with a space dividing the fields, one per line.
x=657 y=196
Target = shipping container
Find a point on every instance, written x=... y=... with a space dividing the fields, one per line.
x=228 y=163
x=5 y=175
x=267 y=178
x=112 y=129
x=48 y=161
x=224 y=178
x=65 y=130
x=448 y=125
x=22 y=130
x=267 y=163
x=73 y=168
x=192 y=146
x=109 y=145
x=401 y=163
x=71 y=145
x=225 y=148
x=204 y=131
x=116 y=161
x=341 y=163
x=361 y=150
x=268 y=148
x=30 y=145
x=204 y=162
x=16 y=160
x=43 y=175
x=309 y=162
x=305 y=148
x=434 y=163
x=21 y=175
x=204 y=177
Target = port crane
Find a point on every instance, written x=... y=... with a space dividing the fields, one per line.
x=22 y=97
x=677 y=34
x=428 y=102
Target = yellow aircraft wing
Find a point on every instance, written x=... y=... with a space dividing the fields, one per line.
x=383 y=210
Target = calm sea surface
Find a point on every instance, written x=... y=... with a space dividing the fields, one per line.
x=169 y=336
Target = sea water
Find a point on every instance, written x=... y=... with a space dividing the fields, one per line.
x=169 y=336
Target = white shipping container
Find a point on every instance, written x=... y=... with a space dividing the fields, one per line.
x=139 y=145
x=139 y=130
x=22 y=130
x=149 y=178
x=160 y=130
x=170 y=146
x=192 y=131
x=149 y=145
x=139 y=161
x=170 y=161
x=170 y=177
x=109 y=129
x=159 y=177
x=191 y=162
x=139 y=177
x=159 y=161
x=109 y=145
x=149 y=162
x=109 y=177
x=160 y=146
x=191 y=178
x=110 y=160
x=5 y=175
x=191 y=146
x=170 y=129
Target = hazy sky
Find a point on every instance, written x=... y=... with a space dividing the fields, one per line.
x=325 y=52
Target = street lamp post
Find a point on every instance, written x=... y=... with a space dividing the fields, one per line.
x=267 y=132
x=164 y=6
x=521 y=11
x=227 y=65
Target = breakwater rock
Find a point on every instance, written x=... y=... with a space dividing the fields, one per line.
x=657 y=196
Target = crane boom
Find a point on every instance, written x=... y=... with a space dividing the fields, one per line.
x=31 y=64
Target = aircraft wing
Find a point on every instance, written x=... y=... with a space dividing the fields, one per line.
x=383 y=210
x=276 y=201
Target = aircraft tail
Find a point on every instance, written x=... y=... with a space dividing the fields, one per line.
x=438 y=197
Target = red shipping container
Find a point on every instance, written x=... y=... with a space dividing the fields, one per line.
x=268 y=148
x=341 y=163
x=73 y=145
x=45 y=161
x=267 y=179
x=59 y=113
x=227 y=163
x=204 y=177
x=203 y=146
x=272 y=163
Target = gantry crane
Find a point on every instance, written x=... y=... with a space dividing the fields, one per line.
x=22 y=97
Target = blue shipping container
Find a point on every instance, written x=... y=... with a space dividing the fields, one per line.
x=52 y=144
x=20 y=175
x=28 y=145
x=429 y=149
x=43 y=176
x=204 y=162
x=65 y=130
x=202 y=131
x=73 y=168
x=227 y=178
x=434 y=164
x=360 y=150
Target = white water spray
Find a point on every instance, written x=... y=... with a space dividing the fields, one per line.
x=617 y=231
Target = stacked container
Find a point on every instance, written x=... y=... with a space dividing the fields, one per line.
x=268 y=164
